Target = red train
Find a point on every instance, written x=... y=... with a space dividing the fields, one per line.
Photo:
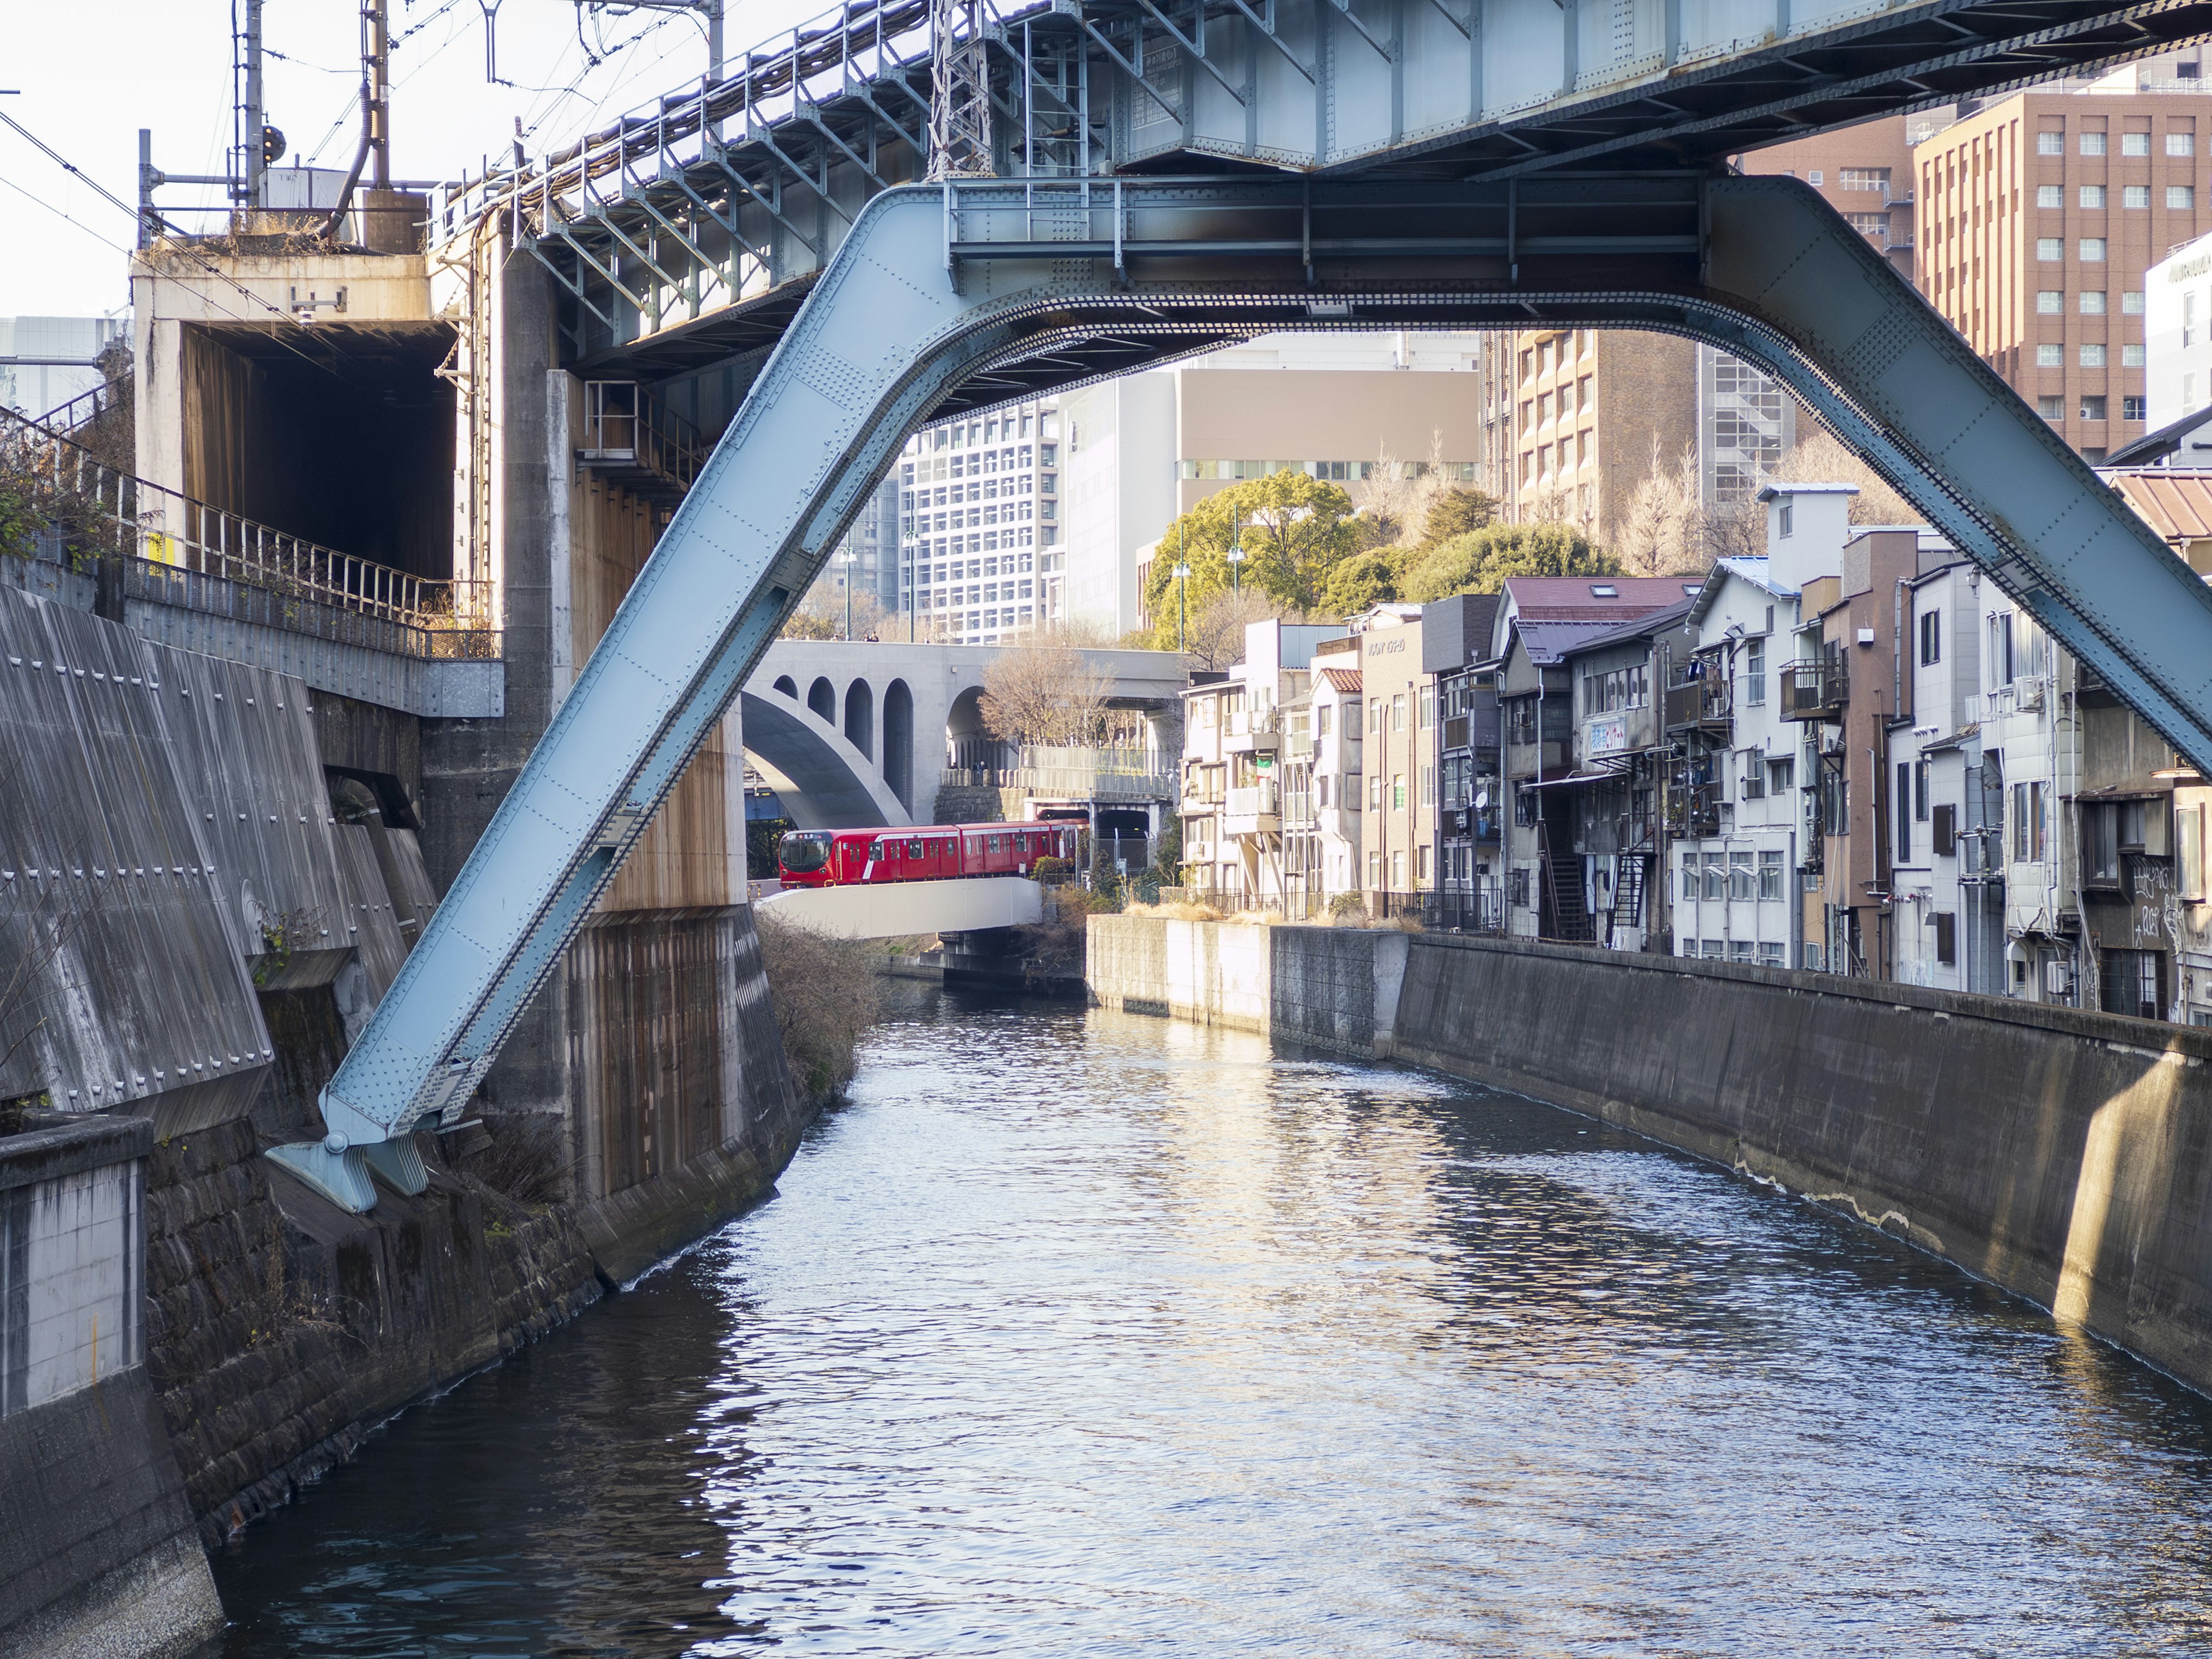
x=839 y=858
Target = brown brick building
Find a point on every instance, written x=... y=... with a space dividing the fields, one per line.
x=1586 y=407
x=2039 y=216
x=1865 y=172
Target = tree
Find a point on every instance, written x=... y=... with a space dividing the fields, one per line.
x=1482 y=561
x=1044 y=692
x=1293 y=530
x=1664 y=529
x=821 y=614
x=1217 y=633
x=1364 y=580
x=1457 y=512
x=1820 y=457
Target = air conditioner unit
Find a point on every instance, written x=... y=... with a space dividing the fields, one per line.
x=2028 y=694
x=2058 y=978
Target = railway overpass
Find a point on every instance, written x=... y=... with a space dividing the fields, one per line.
x=1400 y=164
x=847 y=722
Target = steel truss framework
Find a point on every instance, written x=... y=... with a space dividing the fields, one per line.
x=940 y=288
x=684 y=232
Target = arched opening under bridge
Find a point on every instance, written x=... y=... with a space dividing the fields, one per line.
x=978 y=292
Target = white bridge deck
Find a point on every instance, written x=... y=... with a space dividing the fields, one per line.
x=910 y=908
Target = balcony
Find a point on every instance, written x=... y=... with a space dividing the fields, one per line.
x=1705 y=704
x=1255 y=810
x=1246 y=733
x=1815 y=690
x=633 y=439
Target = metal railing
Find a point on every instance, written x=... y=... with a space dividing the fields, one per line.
x=1077 y=773
x=1814 y=690
x=626 y=425
x=87 y=407
x=1700 y=703
x=1253 y=800
x=166 y=540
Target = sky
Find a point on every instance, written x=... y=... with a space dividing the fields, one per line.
x=87 y=75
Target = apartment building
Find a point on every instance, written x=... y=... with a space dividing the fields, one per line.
x=2178 y=333
x=1947 y=799
x=1591 y=410
x=1246 y=736
x=1455 y=651
x=1737 y=804
x=1337 y=723
x=1612 y=803
x=1539 y=623
x=1398 y=828
x=979 y=526
x=1865 y=171
x=2038 y=218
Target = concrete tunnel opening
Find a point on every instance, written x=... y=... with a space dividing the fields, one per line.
x=343 y=434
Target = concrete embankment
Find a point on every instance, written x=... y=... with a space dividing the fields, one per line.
x=2064 y=1156
x=209 y=875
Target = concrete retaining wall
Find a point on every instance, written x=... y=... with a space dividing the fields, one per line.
x=2064 y=1156
x=200 y=903
x=1208 y=972
x=97 y=1551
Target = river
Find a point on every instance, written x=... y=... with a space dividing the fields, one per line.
x=1082 y=1334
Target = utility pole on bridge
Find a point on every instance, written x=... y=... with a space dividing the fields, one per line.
x=959 y=93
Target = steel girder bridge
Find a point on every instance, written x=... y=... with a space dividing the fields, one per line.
x=976 y=292
x=688 y=231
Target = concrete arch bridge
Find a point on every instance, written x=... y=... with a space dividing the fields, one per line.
x=860 y=732
x=1424 y=188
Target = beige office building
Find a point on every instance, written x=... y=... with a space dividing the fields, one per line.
x=1342 y=407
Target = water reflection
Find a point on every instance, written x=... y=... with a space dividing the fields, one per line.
x=1087 y=1334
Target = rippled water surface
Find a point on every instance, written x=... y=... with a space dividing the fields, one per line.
x=1078 y=1334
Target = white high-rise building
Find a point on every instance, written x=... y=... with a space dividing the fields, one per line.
x=46 y=361
x=979 y=525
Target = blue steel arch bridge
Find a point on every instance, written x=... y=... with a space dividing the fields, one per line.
x=1172 y=178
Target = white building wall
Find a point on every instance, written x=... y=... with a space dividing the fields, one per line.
x=1735 y=894
x=2178 y=333
x=77 y=1241
x=34 y=388
x=1117 y=493
x=1927 y=883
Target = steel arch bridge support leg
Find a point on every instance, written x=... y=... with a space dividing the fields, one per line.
x=934 y=286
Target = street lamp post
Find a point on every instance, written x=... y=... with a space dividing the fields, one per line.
x=849 y=593
x=1183 y=605
x=1236 y=560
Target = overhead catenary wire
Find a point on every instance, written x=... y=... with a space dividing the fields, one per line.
x=208 y=265
x=40 y=201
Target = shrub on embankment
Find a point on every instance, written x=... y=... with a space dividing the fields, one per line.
x=826 y=995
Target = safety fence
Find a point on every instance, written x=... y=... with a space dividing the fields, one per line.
x=172 y=549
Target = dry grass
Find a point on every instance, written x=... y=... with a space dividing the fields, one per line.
x=1176 y=910
x=528 y=1160
x=826 y=995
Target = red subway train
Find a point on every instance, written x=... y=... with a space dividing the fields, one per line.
x=934 y=852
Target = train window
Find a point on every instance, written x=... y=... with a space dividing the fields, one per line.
x=995 y=843
x=876 y=850
x=914 y=849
